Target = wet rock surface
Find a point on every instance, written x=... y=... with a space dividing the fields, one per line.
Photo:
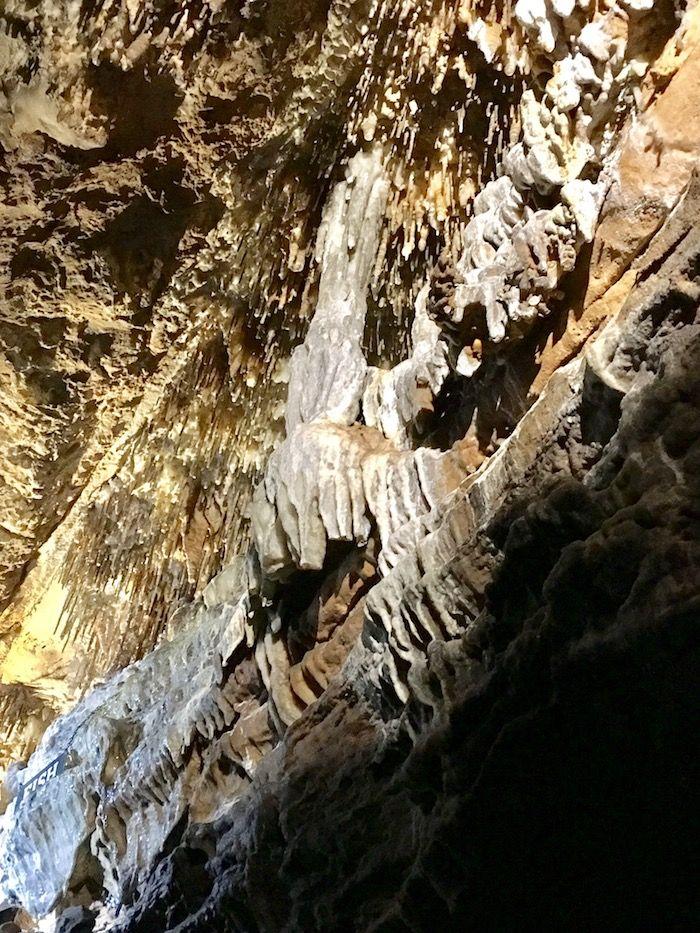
x=544 y=775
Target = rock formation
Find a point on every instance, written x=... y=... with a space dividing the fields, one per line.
x=350 y=466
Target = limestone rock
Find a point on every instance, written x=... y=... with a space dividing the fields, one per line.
x=350 y=465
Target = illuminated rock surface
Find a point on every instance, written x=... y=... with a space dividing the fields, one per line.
x=350 y=464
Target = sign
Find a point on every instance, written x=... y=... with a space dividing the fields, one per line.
x=29 y=788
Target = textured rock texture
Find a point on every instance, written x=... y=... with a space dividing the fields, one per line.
x=351 y=465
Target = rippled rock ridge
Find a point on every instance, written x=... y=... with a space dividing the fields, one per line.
x=349 y=465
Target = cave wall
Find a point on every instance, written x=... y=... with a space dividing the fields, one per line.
x=350 y=427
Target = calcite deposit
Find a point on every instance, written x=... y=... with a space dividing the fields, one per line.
x=350 y=464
